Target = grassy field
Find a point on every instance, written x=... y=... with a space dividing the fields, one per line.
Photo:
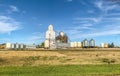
x=62 y=70
x=36 y=58
x=60 y=63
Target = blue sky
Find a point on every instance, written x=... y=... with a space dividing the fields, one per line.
x=26 y=21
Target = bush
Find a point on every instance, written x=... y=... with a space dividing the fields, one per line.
x=109 y=61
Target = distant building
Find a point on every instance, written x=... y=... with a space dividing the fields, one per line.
x=72 y=44
x=2 y=46
x=76 y=44
x=17 y=46
x=62 y=41
x=85 y=43
x=62 y=38
x=32 y=46
x=50 y=38
x=53 y=42
x=92 y=43
x=8 y=45
x=104 y=45
x=79 y=44
x=62 y=45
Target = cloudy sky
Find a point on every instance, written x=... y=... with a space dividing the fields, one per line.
x=26 y=21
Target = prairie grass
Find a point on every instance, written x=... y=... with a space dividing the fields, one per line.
x=36 y=58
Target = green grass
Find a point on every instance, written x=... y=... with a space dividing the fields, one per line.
x=61 y=70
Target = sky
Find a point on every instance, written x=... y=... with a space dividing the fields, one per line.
x=26 y=21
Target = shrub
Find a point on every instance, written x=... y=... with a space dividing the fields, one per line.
x=109 y=61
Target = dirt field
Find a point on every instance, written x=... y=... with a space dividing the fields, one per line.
x=36 y=58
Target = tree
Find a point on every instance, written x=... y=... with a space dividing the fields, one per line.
x=38 y=46
x=42 y=45
x=112 y=45
x=109 y=45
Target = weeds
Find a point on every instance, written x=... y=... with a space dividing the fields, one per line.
x=109 y=61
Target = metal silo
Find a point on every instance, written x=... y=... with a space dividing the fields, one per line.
x=8 y=45
x=72 y=44
x=22 y=46
x=102 y=45
x=17 y=46
x=75 y=44
x=106 y=45
x=13 y=46
x=79 y=44
x=92 y=43
x=85 y=43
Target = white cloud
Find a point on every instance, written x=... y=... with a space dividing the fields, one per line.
x=73 y=31
x=96 y=20
x=39 y=25
x=69 y=0
x=113 y=15
x=103 y=31
x=99 y=5
x=87 y=25
x=88 y=19
x=83 y=27
x=105 y=23
x=111 y=28
x=37 y=36
x=106 y=6
x=14 y=8
x=8 y=24
x=9 y=9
